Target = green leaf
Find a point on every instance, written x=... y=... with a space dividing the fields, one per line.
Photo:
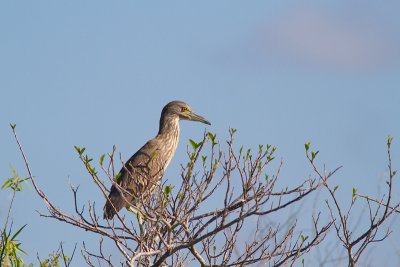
x=14 y=183
x=303 y=238
x=212 y=137
x=307 y=146
x=193 y=144
x=13 y=125
x=80 y=150
x=92 y=170
x=204 y=158
x=390 y=140
x=233 y=130
x=7 y=183
x=168 y=190
x=87 y=159
x=153 y=154
x=17 y=233
x=117 y=177
x=354 y=192
x=14 y=172
x=248 y=153
x=314 y=154
x=102 y=159
x=67 y=259
x=335 y=188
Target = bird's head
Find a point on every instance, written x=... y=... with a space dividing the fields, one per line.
x=183 y=111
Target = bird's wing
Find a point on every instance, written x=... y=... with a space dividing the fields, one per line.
x=142 y=169
x=136 y=179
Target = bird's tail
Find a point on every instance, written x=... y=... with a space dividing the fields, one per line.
x=113 y=204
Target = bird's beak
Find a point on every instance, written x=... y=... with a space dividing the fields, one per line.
x=195 y=117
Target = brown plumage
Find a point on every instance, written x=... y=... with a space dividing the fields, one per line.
x=146 y=167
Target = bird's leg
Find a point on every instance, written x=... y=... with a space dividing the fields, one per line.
x=139 y=216
x=140 y=221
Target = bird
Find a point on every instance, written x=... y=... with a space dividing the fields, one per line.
x=144 y=170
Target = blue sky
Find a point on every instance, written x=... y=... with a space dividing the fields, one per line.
x=97 y=73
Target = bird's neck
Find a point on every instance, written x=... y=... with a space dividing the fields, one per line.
x=169 y=127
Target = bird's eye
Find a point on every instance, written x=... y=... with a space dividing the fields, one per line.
x=184 y=109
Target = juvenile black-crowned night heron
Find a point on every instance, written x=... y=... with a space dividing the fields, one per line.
x=146 y=167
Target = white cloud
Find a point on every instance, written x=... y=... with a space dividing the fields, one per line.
x=316 y=37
